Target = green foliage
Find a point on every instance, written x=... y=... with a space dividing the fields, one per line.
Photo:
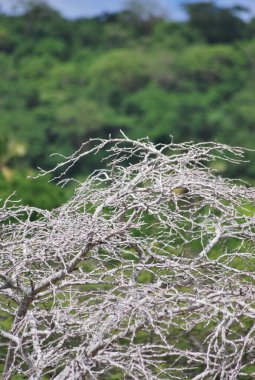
x=117 y=74
x=215 y=23
x=35 y=192
x=210 y=66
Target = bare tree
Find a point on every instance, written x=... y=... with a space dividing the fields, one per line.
x=148 y=271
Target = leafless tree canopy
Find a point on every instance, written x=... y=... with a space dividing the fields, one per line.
x=148 y=271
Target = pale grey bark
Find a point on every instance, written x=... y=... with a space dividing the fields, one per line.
x=132 y=274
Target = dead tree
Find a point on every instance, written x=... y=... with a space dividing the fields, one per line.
x=148 y=271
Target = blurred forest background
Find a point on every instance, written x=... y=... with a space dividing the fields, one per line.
x=65 y=81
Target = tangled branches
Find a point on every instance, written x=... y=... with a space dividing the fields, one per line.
x=147 y=272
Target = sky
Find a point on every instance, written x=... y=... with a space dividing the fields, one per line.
x=87 y=8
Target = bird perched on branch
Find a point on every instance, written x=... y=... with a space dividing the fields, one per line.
x=180 y=190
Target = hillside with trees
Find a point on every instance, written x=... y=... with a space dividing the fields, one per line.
x=65 y=81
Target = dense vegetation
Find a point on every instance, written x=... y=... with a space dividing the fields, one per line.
x=65 y=81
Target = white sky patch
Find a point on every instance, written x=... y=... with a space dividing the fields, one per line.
x=89 y=8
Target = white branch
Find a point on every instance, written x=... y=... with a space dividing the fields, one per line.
x=148 y=270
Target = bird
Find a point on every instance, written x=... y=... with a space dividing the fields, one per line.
x=179 y=190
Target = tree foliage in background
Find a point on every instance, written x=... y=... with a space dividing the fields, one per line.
x=217 y=24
